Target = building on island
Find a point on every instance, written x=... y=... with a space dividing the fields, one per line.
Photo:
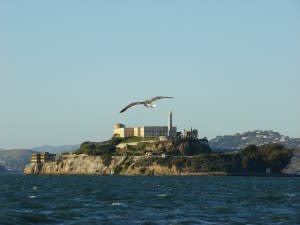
x=120 y=130
x=42 y=157
x=192 y=134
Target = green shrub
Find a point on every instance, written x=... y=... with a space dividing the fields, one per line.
x=179 y=162
x=106 y=159
x=162 y=161
x=127 y=164
x=99 y=148
x=117 y=170
x=257 y=159
x=142 y=170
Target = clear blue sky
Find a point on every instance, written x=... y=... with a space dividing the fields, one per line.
x=68 y=67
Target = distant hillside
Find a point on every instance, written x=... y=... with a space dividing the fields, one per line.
x=240 y=141
x=15 y=160
x=56 y=149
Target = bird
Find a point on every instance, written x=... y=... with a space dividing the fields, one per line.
x=147 y=103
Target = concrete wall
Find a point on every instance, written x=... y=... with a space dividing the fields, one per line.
x=124 y=132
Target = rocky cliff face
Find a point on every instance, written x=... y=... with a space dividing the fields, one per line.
x=92 y=165
x=118 y=165
x=202 y=164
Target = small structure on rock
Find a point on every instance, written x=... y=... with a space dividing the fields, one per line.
x=42 y=157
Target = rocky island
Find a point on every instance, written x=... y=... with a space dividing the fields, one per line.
x=150 y=156
x=124 y=156
x=160 y=150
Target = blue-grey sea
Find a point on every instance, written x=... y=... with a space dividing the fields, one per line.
x=148 y=200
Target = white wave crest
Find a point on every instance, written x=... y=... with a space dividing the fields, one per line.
x=119 y=204
x=162 y=195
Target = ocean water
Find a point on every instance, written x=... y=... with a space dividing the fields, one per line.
x=148 y=200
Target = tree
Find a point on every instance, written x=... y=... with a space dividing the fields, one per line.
x=276 y=156
x=251 y=159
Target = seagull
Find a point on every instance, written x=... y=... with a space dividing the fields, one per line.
x=147 y=103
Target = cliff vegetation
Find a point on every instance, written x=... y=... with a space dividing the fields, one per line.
x=138 y=146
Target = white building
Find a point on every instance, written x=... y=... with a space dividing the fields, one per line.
x=146 y=131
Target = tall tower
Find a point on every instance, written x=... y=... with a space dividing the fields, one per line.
x=170 y=125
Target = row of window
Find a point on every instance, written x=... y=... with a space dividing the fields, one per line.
x=156 y=131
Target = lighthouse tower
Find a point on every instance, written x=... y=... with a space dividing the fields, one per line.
x=170 y=125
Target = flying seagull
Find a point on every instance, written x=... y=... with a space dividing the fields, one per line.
x=146 y=103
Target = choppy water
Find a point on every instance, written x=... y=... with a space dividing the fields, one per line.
x=149 y=200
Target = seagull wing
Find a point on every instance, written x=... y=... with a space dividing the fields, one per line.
x=158 y=97
x=130 y=105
